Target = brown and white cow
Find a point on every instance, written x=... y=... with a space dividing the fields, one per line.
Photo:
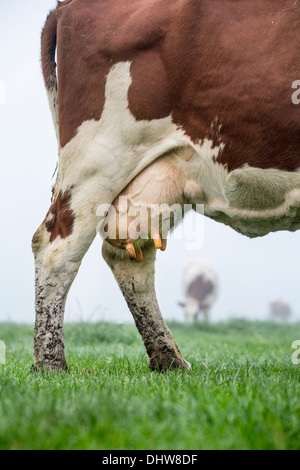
x=200 y=285
x=196 y=93
x=280 y=311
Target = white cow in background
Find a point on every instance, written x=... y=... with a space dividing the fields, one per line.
x=280 y=311
x=200 y=289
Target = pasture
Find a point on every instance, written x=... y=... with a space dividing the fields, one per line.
x=243 y=393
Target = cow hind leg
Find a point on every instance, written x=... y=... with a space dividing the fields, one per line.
x=58 y=246
x=136 y=281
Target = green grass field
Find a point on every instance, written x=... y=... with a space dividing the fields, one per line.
x=243 y=393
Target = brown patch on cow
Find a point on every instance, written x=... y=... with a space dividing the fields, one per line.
x=200 y=288
x=63 y=218
x=223 y=70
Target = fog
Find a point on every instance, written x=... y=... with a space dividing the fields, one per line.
x=251 y=273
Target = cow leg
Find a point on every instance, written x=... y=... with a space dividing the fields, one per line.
x=56 y=264
x=136 y=281
x=191 y=309
x=205 y=311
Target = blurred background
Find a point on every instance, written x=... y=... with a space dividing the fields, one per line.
x=251 y=273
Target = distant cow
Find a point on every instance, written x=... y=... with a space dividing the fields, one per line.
x=280 y=311
x=200 y=289
x=181 y=102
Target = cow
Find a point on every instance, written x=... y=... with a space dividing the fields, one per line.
x=200 y=287
x=280 y=311
x=203 y=89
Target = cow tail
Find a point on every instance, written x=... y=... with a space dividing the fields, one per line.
x=48 y=50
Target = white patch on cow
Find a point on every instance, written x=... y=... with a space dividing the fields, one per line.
x=106 y=155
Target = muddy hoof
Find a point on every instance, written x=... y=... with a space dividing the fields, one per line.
x=168 y=363
x=50 y=368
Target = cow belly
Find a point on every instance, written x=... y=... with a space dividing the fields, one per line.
x=258 y=201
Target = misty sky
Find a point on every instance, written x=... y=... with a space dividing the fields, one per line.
x=251 y=272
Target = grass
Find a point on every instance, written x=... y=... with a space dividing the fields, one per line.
x=243 y=393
